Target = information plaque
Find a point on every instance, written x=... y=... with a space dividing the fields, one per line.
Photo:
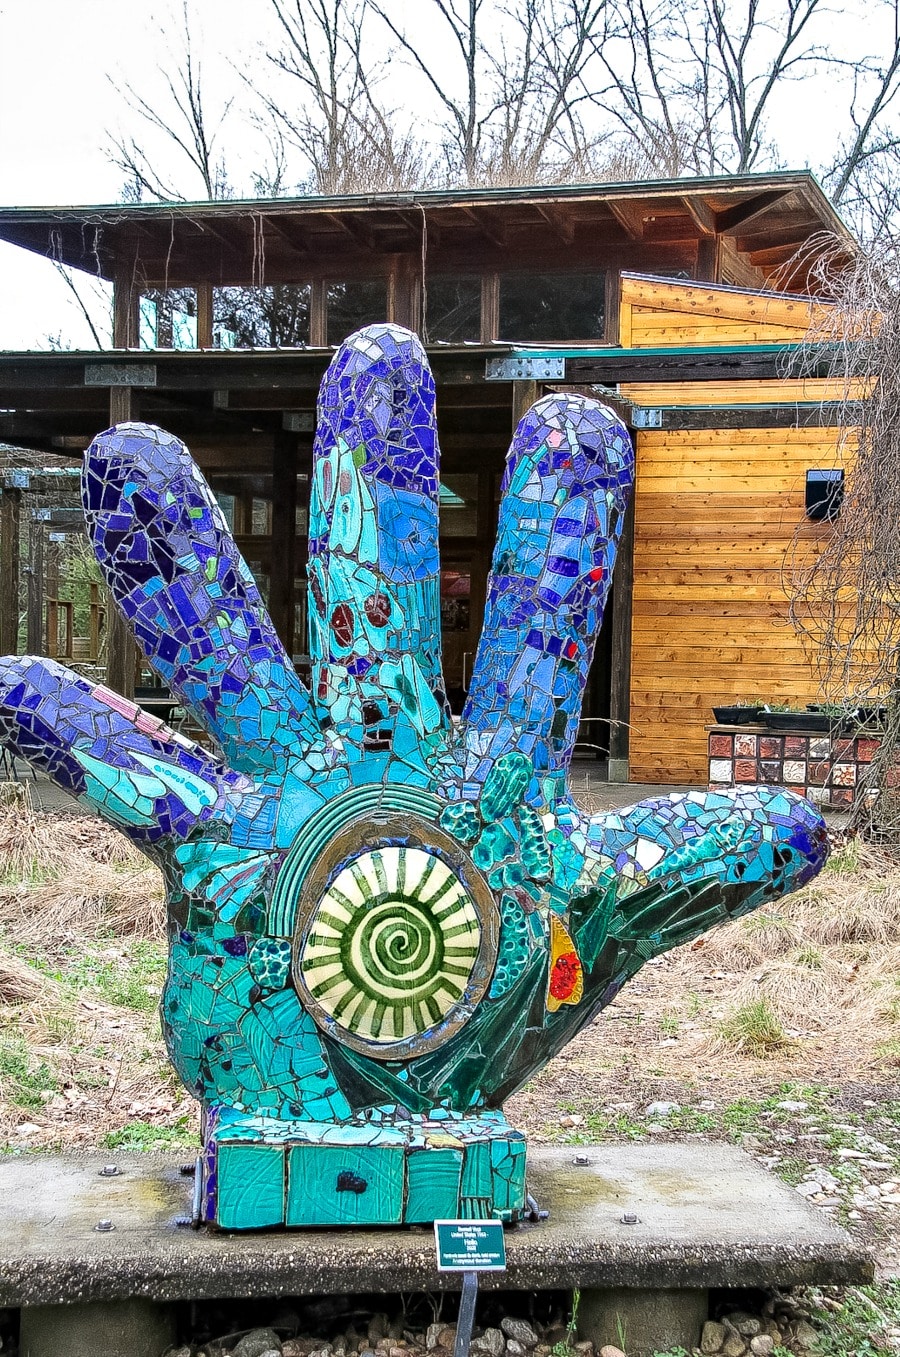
x=470 y=1245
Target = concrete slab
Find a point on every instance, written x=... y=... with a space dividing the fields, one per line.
x=707 y=1215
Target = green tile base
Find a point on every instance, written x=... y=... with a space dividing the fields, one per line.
x=260 y=1172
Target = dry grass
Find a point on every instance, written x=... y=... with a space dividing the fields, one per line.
x=63 y=876
x=82 y=955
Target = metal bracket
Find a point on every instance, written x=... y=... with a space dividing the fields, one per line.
x=521 y=368
x=120 y=374
x=646 y=417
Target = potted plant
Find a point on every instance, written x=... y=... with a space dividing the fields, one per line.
x=782 y=716
x=741 y=714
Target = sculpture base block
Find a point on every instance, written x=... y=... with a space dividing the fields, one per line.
x=260 y=1172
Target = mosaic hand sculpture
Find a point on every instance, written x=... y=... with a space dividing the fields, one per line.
x=380 y=925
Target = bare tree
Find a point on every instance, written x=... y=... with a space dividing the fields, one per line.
x=509 y=81
x=692 y=84
x=863 y=177
x=183 y=120
x=347 y=140
x=846 y=597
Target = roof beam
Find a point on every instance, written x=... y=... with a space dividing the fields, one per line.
x=354 y=228
x=747 y=210
x=700 y=214
x=630 y=216
x=562 y=226
x=298 y=248
x=494 y=233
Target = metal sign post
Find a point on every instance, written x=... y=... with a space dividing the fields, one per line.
x=469 y=1247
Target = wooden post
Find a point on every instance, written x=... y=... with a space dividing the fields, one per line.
x=284 y=537
x=490 y=307
x=126 y=304
x=612 y=298
x=318 y=314
x=405 y=293
x=34 y=638
x=10 y=517
x=121 y=651
x=621 y=600
x=204 y=316
x=524 y=395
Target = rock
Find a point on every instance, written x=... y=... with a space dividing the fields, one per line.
x=772 y=1330
x=734 y=1345
x=712 y=1337
x=397 y=1349
x=378 y=1328
x=609 y=1351
x=585 y=1349
x=542 y=1350
x=179 y=1352
x=747 y=1325
x=256 y=1342
x=433 y=1335
x=788 y=1106
x=520 y=1330
x=514 y=1348
x=661 y=1109
x=447 y=1337
x=271 y=1352
x=805 y=1336
x=324 y=1351
x=490 y=1344
x=762 y=1345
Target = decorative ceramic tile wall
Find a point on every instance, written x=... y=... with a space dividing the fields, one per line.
x=827 y=769
x=380 y=927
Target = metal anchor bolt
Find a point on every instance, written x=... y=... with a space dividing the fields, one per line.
x=104 y=1226
x=109 y=1171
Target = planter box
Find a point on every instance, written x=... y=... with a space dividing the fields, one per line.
x=825 y=766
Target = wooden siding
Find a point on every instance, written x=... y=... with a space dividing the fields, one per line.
x=783 y=392
x=655 y=313
x=716 y=512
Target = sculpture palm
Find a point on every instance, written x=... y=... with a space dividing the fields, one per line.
x=377 y=919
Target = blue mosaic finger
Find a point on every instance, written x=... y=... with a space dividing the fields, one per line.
x=144 y=778
x=374 y=572
x=175 y=572
x=563 y=502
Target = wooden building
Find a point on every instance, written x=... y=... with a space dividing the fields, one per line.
x=677 y=299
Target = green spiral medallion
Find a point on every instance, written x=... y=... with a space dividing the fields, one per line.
x=398 y=944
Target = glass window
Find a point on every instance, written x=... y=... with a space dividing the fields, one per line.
x=551 y=307
x=168 y=318
x=453 y=310
x=261 y=517
x=458 y=506
x=261 y=317
x=351 y=305
x=456 y=589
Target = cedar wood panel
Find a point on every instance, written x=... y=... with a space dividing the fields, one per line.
x=716 y=513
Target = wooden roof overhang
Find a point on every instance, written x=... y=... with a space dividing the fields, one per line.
x=231 y=405
x=764 y=219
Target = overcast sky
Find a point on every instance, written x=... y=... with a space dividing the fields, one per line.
x=61 y=62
